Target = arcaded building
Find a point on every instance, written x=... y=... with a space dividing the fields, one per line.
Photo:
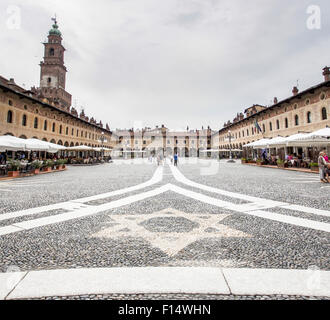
x=302 y=112
x=161 y=140
x=45 y=112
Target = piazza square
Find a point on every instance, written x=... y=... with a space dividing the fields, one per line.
x=143 y=215
x=97 y=204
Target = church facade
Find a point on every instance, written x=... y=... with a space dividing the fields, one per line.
x=46 y=112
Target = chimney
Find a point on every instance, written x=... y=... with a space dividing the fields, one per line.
x=326 y=73
x=275 y=100
x=295 y=91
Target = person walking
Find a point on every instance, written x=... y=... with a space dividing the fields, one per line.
x=327 y=166
x=176 y=160
x=322 y=167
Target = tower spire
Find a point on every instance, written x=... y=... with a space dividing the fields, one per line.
x=54 y=30
x=55 y=19
x=53 y=70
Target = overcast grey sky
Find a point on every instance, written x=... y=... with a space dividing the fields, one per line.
x=173 y=62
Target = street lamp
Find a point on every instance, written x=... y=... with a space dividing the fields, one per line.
x=230 y=154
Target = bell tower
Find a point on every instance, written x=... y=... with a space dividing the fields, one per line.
x=53 y=71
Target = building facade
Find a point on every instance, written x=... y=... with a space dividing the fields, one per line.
x=45 y=112
x=160 y=140
x=305 y=111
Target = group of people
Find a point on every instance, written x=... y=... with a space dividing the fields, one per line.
x=324 y=167
x=161 y=159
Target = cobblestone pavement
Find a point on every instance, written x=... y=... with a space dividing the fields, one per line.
x=188 y=297
x=153 y=227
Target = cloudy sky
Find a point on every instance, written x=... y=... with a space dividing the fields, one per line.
x=175 y=62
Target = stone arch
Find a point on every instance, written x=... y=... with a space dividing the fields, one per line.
x=53 y=141
x=22 y=137
x=9 y=134
x=60 y=142
x=77 y=144
x=45 y=139
x=193 y=152
x=66 y=144
x=71 y=144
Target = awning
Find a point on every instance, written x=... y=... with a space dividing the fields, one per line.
x=277 y=142
x=260 y=144
x=210 y=150
x=39 y=145
x=80 y=148
x=10 y=143
x=318 y=137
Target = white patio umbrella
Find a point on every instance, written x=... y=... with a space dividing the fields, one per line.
x=261 y=144
x=277 y=142
x=10 y=143
x=102 y=149
x=80 y=148
x=39 y=145
x=210 y=150
x=56 y=146
x=295 y=140
x=320 y=136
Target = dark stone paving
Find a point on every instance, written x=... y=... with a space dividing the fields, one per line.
x=72 y=244
x=75 y=183
x=188 y=297
x=268 y=183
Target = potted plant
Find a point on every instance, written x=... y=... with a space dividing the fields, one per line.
x=59 y=164
x=259 y=162
x=280 y=163
x=243 y=160
x=36 y=165
x=314 y=166
x=48 y=165
x=14 y=166
x=65 y=161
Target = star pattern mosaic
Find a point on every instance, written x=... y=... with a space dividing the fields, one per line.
x=169 y=230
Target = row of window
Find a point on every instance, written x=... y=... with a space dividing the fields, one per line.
x=45 y=127
x=324 y=116
x=169 y=142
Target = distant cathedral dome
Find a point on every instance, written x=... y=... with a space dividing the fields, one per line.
x=55 y=30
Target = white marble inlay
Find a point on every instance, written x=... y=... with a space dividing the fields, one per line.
x=169 y=242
